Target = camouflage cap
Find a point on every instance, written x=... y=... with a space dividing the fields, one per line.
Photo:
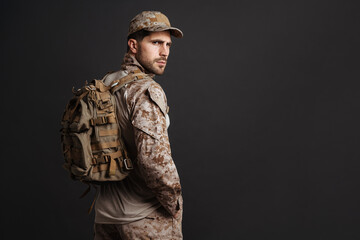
x=153 y=21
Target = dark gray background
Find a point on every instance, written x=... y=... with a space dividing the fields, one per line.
x=264 y=103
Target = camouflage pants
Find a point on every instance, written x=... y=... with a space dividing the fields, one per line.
x=158 y=225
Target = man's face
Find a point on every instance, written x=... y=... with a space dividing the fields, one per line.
x=153 y=51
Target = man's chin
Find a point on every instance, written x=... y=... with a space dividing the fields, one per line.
x=155 y=70
x=159 y=71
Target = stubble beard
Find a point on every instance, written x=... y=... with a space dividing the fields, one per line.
x=150 y=65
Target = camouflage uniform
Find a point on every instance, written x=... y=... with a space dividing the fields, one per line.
x=148 y=203
x=143 y=110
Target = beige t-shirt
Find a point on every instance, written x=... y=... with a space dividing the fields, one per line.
x=122 y=202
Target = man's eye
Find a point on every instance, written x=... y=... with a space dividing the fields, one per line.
x=156 y=42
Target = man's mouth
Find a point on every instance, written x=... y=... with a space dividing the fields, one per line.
x=161 y=62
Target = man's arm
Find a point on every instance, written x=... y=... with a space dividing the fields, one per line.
x=154 y=154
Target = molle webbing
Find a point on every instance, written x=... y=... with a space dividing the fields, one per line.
x=102 y=120
x=102 y=145
x=109 y=132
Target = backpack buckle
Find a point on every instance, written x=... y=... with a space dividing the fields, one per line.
x=107 y=158
x=104 y=120
x=128 y=164
x=99 y=121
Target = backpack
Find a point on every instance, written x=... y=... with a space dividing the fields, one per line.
x=91 y=140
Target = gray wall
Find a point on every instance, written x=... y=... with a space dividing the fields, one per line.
x=264 y=103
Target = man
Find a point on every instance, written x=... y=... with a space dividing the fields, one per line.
x=148 y=203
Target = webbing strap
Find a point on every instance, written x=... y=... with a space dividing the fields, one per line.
x=93 y=202
x=123 y=164
x=100 y=85
x=112 y=168
x=106 y=158
x=117 y=84
x=103 y=145
x=101 y=160
x=102 y=120
x=100 y=168
x=106 y=110
x=108 y=132
x=96 y=195
x=114 y=156
x=105 y=167
x=104 y=96
x=86 y=191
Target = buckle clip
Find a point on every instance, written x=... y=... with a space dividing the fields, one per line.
x=128 y=164
x=104 y=120
x=107 y=158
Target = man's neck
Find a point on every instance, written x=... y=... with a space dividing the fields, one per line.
x=130 y=63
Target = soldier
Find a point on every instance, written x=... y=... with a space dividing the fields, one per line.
x=148 y=203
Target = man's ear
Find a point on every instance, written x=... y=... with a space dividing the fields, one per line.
x=133 y=45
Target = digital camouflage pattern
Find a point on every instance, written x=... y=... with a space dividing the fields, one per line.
x=143 y=120
x=153 y=21
x=147 y=104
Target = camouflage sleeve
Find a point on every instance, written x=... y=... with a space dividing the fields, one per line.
x=154 y=155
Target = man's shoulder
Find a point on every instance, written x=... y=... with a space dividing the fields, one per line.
x=143 y=79
x=145 y=83
x=148 y=90
x=144 y=86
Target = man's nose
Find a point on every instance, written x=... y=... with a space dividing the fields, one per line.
x=164 y=50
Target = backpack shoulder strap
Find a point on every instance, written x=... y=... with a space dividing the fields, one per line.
x=119 y=83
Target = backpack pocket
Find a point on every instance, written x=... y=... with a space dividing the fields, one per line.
x=77 y=153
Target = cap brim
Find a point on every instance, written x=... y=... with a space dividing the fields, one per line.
x=176 y=32
x=173 y=31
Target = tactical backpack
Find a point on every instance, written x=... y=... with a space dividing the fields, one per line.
x=92 y=144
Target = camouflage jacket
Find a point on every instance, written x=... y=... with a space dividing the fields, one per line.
x=142 y=113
